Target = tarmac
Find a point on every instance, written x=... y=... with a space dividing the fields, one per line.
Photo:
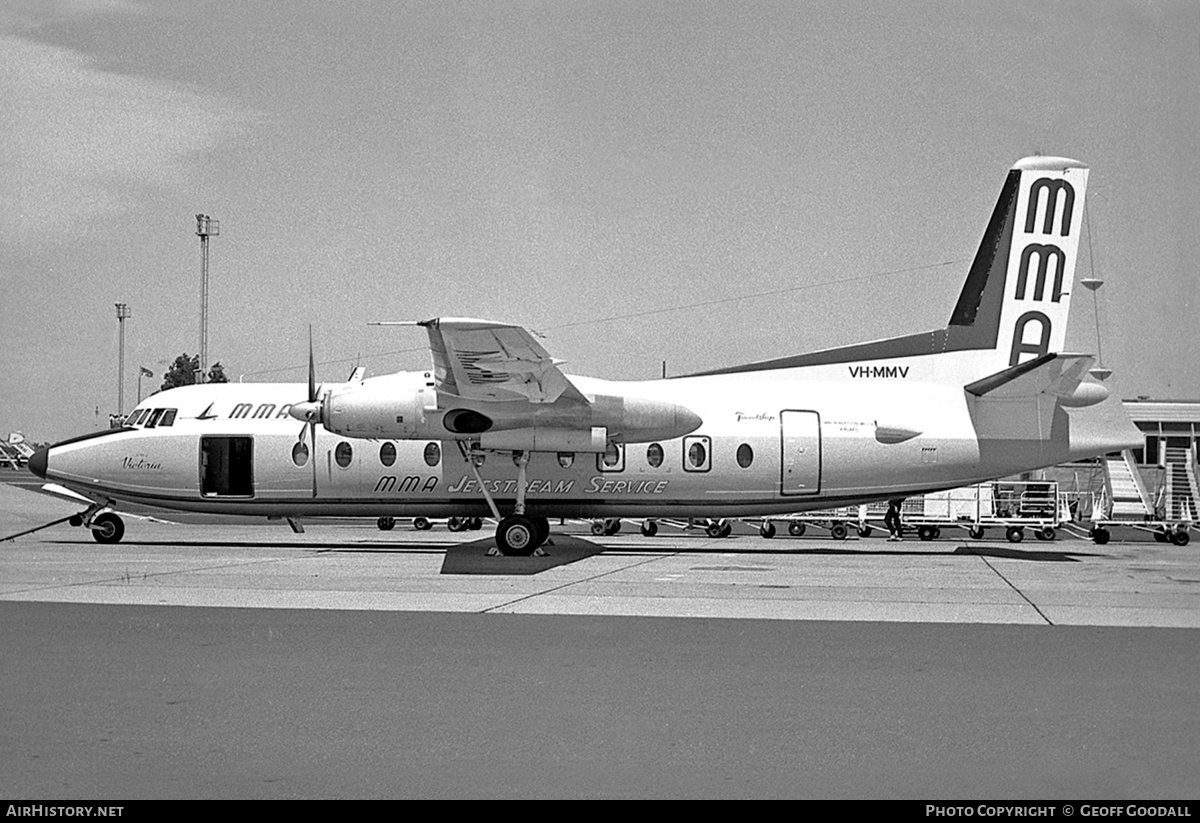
x=239 y=659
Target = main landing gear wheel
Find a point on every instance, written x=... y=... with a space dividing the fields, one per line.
x=108 y=528
x=517 y=536
x=543 y=529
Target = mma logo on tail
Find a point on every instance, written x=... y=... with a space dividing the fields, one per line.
x=1042 y=257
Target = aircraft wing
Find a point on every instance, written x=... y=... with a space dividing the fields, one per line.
x=482 y=360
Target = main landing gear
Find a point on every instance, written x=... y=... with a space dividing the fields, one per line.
x=519 y=534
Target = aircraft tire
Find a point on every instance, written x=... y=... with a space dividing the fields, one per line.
x=108 y=528
x=839 y=531
x=1014 y=534
x=516 y=536
x=796 y=528
x=543 y=529
x=649 y=528
x=1180 y=538
x=767 y=529
x=386 y=524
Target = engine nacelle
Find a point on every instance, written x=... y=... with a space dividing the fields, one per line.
x=396 y=406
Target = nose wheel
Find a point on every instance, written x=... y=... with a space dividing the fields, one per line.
x=108 y=528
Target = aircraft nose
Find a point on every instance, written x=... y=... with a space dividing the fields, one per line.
x=37 y=463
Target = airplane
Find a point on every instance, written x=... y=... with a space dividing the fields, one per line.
x=495 y=427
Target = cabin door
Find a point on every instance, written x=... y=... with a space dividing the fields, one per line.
x=800 y=458
x=227 y=466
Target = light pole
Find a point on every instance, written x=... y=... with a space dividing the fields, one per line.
x=142 y=372
x=122 y=313
x=206 y=227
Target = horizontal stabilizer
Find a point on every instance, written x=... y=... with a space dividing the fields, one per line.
x=1055 y=375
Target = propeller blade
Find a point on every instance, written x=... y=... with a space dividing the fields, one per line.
x=313 y=425
x=312 y=370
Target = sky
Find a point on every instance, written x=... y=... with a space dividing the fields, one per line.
x=701 y=183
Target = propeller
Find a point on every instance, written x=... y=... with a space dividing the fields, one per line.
x=310 y=411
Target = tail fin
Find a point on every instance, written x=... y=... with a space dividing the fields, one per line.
x=1018 y=292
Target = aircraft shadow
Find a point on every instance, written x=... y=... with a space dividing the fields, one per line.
x=563 y=549
x=559 y=550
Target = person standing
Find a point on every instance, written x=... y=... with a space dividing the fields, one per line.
x=892 y=519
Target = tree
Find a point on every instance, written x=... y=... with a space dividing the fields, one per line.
x=183 y=372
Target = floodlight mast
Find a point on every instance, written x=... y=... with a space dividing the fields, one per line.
x=122 y=313
x=206 y=227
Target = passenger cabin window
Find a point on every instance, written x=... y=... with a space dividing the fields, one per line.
x=613 y=458
x=745 y=455
x=387 y=454
x=433 y=454
x=654 y=455
x=300 y=454
x=343 y=454
x=697 y=456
